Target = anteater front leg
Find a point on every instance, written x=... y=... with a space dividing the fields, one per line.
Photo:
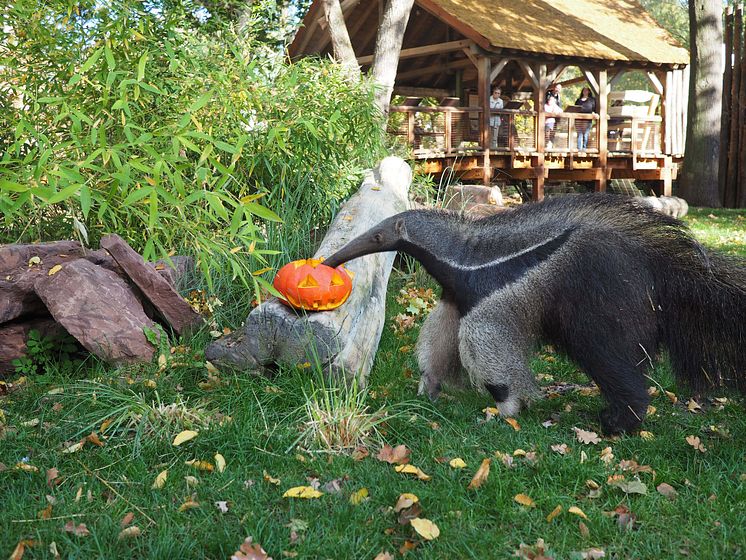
x=437 y=350
x=495 y=351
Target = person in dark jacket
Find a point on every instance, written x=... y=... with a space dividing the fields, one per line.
x=587 y=104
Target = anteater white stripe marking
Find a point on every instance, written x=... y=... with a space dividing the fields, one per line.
x=502 y=259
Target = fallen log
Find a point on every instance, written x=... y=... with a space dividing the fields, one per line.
x=343 y=341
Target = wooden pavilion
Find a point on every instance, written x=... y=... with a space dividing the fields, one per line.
x=455 y=51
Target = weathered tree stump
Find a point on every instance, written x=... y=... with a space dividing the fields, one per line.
x=343 y=341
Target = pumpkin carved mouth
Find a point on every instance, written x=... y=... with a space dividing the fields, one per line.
x=311 y=285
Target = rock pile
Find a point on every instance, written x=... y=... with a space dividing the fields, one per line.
x=105 y=299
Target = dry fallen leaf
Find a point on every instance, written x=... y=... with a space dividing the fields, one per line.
x=586 y=437
x=269 y=478
x=514 y=424
x=189 y=504
x=304 y=492
x=383 y=556
x=129 y=533
x=160 y=480
x=425 y=528
x=584 y=531
x=250 y=551
x=184 y=436
x=606 y=455
x=457 y=463
x=695 y=442
x=219 y=462
x=405 y=500
x=53 y=475
x=628 y=487
x=77 y=530
x=126 y=520
x=46 y=513
x=647 y=436
x=359 y=496
x=360 y=453
x=561 y=448
x=693 y=406
x=524 y=500
x=481 y=475
x=554 y=513
x=411 y=469
x=74 y=447
x=577 y=511
x=672 y=397
x=200 y=465
x=398 y=455
x=667 y=490
x=20 y=548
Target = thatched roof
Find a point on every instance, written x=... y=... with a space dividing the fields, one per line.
x=606 y=30
x=618 y=30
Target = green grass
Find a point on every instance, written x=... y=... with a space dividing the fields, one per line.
x=254 y=422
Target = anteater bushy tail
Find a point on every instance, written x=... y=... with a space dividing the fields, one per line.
x=702 y=298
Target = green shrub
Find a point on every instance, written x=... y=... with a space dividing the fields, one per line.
x=118 y=118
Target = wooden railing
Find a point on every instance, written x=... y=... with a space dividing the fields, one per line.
x=449 y=131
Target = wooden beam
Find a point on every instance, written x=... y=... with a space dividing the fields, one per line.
x=591 y=79
x=616 y=77
x=485 y=136
x=434 y=69
x=655 y=81
x=540 y=93
x=452 y=21
x=603 y=131
x=437 y=48
x=554 y=74
x=311 y=24
x=497 y=67
x=471 y=56
x=422 y=91
x=530 y=74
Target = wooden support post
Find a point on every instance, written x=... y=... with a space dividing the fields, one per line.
x=740 y=194
x=727 y=99
x=603 y=130
x=448 y=128
x=540 y=93
x=667 y=114
x=483 y=89
x=731 y=184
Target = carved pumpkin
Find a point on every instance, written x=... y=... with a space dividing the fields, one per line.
x=310 y=284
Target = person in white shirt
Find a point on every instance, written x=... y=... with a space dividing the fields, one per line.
x=496 y=102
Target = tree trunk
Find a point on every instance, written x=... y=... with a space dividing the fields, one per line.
x=341 y=44
x=344 y=340
x=388 y=47
x=699 y=178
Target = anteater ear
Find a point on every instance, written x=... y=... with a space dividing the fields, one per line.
x=399 y=227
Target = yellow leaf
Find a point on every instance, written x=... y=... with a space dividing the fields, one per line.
x=555 y=512
x=54 y=270
x=405 y=500
x=219 y=462
x=129 y=532
x=514 y=424
x=304 y=492
x=74 y=447
x=481 y=475
x=189 y=504
x=411 y=469
x=261 y=271
x=200 y=465
x=457 y=463
x=519 y=453
x=160 y=480
x=577 y=511
x=235 y=250
x=34 y=261
x=186 y=435
x=359 y=497
x=269 y=478
x=646 y=435
x=524 y=500
x=211 y=368
x=105 y=425
x=425 y=528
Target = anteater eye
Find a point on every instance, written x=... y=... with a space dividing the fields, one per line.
x=378 y=237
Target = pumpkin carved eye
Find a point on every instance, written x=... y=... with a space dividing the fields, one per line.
x=311 y=285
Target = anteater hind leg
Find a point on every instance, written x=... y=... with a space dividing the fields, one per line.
x=496 y=359
x=437 y=350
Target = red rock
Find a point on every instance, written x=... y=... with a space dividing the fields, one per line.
x=13 y=338
x=167 y=302
x=14 y=257
x=99 y=309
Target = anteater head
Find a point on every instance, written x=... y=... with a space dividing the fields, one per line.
x=388 y=235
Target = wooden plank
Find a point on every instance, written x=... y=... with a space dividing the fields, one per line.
x=426 y=50
x=555 y=72
x=305 y=33
x=457 y=24
x=667 y=114
x=603 y=131
x=409 y=91
x=471 y=55
x=685 y=76
x=483 y=90
x=433 y=69
x=540 y=92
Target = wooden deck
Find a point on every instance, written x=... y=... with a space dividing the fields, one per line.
x=449 y=138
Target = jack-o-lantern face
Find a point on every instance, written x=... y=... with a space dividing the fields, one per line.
x=309 y=284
